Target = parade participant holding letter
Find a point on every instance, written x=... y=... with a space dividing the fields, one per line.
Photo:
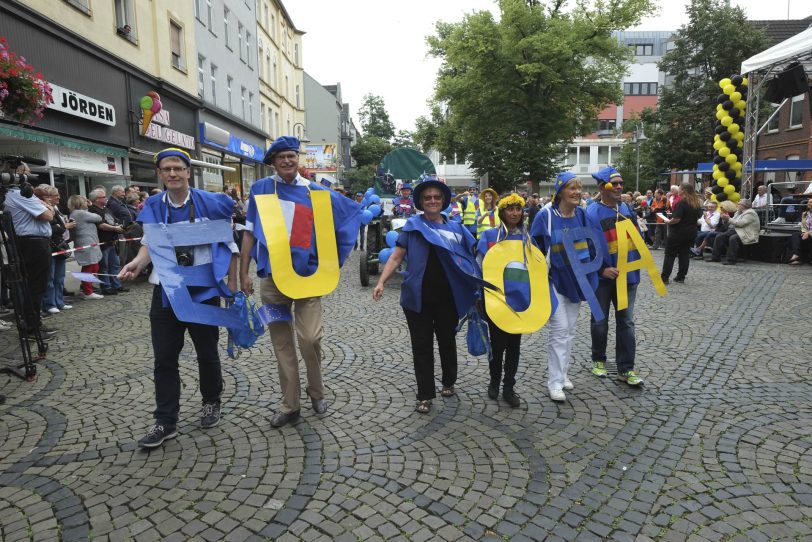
x=506 y=345
x=299 y=233
x=188 y=215
x=439 y=287
x=572 y=274
x=606 y=219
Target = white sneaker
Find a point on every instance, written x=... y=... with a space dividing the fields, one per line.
x=568 y=384
x=53 y=310
x=557 y=395
x=66 y=307
x=94 y=295
x=779 y=220
x=5 y=326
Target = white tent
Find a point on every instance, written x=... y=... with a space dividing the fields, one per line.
x=786 y=50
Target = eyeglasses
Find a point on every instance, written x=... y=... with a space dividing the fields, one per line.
x=172 y=169
x=431 y=197
x=288 y=156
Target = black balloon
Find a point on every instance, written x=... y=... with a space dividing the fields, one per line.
x=722 y=98
x=718 y=159
x=721 y=196
x=732 y=143
x=717 y=189
x=727 y=105
x=736 y=80
x=719 y=128
x=724 y=166
x=724 y=136
x=734 y=112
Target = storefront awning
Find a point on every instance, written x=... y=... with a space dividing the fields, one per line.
x=43 y=137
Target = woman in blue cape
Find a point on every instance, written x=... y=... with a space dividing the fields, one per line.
x=517 y=294
x=439 y=286
x=548 y=229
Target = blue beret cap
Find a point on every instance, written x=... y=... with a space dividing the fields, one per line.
x=563 y=178
x=606 y=175
x=406 y=186
x=282 y=143
x=173 y=151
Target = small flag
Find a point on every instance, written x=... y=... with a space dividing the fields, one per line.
x=274 y=313
x=86 y=277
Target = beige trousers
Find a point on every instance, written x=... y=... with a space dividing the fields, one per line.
x=307 y=318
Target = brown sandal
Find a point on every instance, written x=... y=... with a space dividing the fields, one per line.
x=795 y=260
x=448 y=392
x=423 y=407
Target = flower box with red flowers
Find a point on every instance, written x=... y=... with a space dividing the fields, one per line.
x=24 y=95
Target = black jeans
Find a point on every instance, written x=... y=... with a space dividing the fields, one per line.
x=35 y=256
x=795 y=243
x=438 y=320
x=678 y=245
x=504 y=345
x=167 y=342
x=728 y=240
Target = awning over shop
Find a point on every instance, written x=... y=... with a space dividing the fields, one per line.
x=43 y=137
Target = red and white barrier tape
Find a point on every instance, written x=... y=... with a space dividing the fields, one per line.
x=75 y=249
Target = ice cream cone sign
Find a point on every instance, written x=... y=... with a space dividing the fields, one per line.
x=150 y=106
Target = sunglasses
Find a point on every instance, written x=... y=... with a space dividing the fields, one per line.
x=432 y=198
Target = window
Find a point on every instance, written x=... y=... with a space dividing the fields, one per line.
x=229 y=82
x=209 y=14
x=125 y=19
x=286 y=90
x=774 y=123
x=242 y=102
x=295 y=54
x=275 y=127
x=197 y=9
x=272 y=28
x=642 y=49
x=268 y=75
x=260 y=57
x=298 y=105
x=262 y=116
x=81 y=5
x=604 y=124
x=239 y=40
x=603 y=155
x=226 y=15
x=201 y=76
x=273 y=76
x=268 y=28
x=796 y=112
x=248 y=48
x=213 y=78
x=251 y=106
x=176 y=45
x=640 y=89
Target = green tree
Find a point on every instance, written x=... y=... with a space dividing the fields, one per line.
x=710 y=47
x=370 y=150
x=359 y=178
x=403 y=138
x=627 y=162
x=515 y=91
x=374 y=118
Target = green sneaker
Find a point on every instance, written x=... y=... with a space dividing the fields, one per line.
x=599 y=369
x=629 y=378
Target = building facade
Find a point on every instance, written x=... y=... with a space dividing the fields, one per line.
x=323 y=119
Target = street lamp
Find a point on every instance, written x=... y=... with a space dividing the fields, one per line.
x=304 y=138
x=637 y=138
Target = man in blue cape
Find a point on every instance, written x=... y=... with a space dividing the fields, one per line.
x=189 y=281
x=294 y=193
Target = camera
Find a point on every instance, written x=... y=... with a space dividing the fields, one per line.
x=11 y=178
x=185 y=256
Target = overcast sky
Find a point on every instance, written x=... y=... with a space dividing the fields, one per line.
x=379 y=46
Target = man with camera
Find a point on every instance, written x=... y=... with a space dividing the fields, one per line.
x=182 y=204
x=109 y=230
x=32 y=225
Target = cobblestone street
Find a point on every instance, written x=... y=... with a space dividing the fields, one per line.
x=716 y=446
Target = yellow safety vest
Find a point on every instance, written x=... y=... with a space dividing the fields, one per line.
x=469 y=213
x=486 y=224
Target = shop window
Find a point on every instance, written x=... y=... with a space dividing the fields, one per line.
x=176 y=45
x=796 y=112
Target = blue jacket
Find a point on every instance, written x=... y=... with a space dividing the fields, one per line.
x=603 y=220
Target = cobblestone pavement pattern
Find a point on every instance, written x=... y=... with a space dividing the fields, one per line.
x=716 y=446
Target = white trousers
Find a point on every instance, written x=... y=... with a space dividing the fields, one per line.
x=561 y=336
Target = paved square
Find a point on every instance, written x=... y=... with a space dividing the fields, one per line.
x=716 y=446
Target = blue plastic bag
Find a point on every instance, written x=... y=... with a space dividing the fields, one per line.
x=477 y=338
x=251 y=329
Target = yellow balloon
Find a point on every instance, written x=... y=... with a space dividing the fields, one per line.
x=735 y=197
x=724 y=151
x=713 y=197
x=744 y=81
x=736 y=166
x=733 y=128
x=735 y=97
x=718 y=174
x=719 y=107
x=731 y=159
x=729 y=189
x=739 y=174
x=724 y=82
x=739 y=135
x=718 y=145
x=721 y=114
x=723 y=182
x=729 y=89
x=741 y=105
x=727 y=120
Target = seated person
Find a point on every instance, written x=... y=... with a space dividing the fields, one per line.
x=744 y=230
x=707 y=225
x=403 y=206
x=762 y=202
x=802 y=236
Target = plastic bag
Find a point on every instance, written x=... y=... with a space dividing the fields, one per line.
x=477 y=338
x=252 y=328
